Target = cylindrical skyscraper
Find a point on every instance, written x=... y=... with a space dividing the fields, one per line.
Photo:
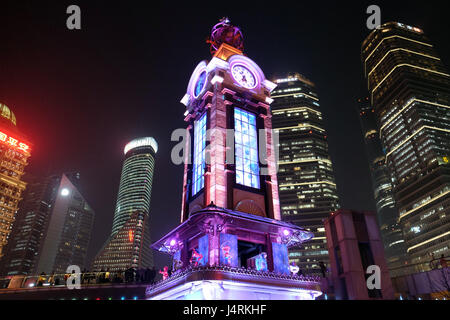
x=129 y=243
x=136 y=181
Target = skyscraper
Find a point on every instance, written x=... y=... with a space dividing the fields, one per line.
x=53 y=228
x=306 y=180
x=410 y=91
x=387 y=213
x=129 y=243
x=30 y=227
x=69 y=229
x=14 y=152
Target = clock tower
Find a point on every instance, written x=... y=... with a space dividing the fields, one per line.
x=231 y=243
x=229 y=121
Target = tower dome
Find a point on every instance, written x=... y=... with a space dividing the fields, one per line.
x=7 y=114
x=224 y=32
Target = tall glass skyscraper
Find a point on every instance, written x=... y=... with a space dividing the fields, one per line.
x=69 y=229
x=52 y=230
x=387 y=213
x=129 y=243
x=29 y=229
x=410 y=91
x=136 y=181
x=306 y=180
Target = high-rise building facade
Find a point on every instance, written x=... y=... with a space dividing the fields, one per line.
x=68 y=233
x=30 y=227
x=52 y=230
x=387 y=213
x=306 y=180
x=14 y=152
x=128 y=245
x=410 y=91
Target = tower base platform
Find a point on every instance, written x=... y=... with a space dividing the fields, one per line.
x=225 y=283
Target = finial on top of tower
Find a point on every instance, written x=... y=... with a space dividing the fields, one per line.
x=224 y=32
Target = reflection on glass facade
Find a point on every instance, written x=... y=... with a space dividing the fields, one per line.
x=246 y=148
x=199 y=155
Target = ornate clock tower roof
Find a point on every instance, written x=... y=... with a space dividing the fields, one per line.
x=229 y=67
x=225 y=33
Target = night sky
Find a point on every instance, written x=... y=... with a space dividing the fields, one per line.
x=80 y=96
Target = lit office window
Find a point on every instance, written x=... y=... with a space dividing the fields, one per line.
x=246 y=148
x=198 y=181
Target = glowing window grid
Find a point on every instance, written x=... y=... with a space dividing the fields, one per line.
x=199 y=155
x=246 y=149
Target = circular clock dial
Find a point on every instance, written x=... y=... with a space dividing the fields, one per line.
x=201 y=81
x=244 y=76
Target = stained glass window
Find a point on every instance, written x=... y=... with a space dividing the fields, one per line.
x=198 y=181
x=246 y=149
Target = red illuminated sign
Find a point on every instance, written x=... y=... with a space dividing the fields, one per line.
x=14 y=142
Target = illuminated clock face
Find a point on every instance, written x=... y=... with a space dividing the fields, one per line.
x=201 y=81
x=244 y=76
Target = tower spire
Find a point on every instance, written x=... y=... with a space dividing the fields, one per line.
x=225 y=32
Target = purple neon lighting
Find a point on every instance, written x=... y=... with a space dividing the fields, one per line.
x=199 y=70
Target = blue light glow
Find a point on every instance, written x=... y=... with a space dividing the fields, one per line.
x=246 y=149
x=198 y=181
x=200 y=84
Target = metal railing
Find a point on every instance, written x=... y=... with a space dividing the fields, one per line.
x=146 y=276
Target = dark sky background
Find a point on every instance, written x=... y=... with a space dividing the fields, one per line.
x=80 y=96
